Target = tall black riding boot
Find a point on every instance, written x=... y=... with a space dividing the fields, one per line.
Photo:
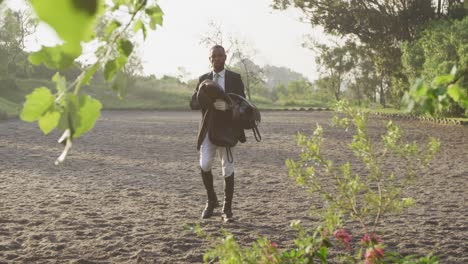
x=212 y=201
x=228 y=194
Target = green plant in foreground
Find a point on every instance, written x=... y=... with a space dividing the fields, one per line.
x=436 y=96
x=346 y=196
x=367 y=197
x=68 y=108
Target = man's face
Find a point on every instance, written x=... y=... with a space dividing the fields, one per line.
x=217 y=59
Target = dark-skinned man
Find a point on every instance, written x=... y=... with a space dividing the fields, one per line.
x=231 y=82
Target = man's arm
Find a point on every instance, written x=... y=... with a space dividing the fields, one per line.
x=194 y=105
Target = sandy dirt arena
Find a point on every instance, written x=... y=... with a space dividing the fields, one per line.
x=130 y=185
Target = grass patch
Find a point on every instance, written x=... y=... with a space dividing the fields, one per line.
x=8 y=109
x=399 y=112
x=302 y=103
x=142 y=98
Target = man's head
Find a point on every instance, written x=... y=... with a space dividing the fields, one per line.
x=217 y=58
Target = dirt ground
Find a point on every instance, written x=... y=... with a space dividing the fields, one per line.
x=132 y=183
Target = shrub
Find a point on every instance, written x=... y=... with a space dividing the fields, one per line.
x=364 y=198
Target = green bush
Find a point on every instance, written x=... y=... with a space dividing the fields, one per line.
x=439 y=48
x=364 y=198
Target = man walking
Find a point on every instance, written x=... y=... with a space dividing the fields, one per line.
x=230 y=82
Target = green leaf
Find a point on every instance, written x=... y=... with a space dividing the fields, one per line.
x=73 y=117
x=144 y=32
x=58 y=57
x=140 y=25
x=37 y=103
x=110 y=70
x=125 y=47
x=73 y=20
x=121 y=61
x=153 y=10
x=420 y=88
x=444 y=79
x=65 y=120
x=83 y=112
x=113 y=66
x=49 y=121
x=120 y=85
x=112 y=26
x=61 y=83
x=89 y=74
x=439 y=91
x=454 y=92
x=90 y=110
x=156 y=16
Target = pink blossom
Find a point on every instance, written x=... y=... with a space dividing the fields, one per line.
x=274 y=244
x=368 y=240
x=373 y=254
x=343 y=237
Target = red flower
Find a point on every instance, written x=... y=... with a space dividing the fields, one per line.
x=274 y=244
x=373 y=239
x=343 y=237
x=373 y=254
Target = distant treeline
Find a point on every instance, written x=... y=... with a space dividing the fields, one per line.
x=371 y=65
x=381 y=47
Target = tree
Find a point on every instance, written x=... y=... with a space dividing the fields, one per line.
x=241 y=53
x=182 y=74
x=324 y=88
x=451 y=8
x=275 y=75
x=375 y=23
x=299 y=90
x=253 y=76
x=214 y=36
x=15 y=27
x=335 y=63
x=252 y=73
x=380 y=25
x=440 y=48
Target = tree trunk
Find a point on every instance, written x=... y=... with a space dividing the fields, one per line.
x=439 y=7
x=247 y=79
x=338 y=89
x=247 y=87
x=358 y=95
x=382 y=93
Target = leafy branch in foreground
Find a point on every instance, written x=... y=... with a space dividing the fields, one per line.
x=67 y=107
x=436 y=96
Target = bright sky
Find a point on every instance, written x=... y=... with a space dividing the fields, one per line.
x=275 y=35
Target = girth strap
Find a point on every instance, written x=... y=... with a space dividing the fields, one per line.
x=256 y=133
x=229 y=155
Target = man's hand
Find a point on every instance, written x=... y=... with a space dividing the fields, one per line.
x=206 y=82
x=220 y=105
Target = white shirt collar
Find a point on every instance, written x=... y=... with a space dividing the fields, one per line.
x=221 y=73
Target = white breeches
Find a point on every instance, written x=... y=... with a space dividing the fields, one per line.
x=208 y=153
